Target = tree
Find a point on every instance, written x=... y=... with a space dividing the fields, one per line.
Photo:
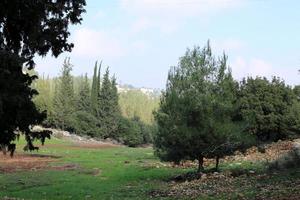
x=266 y=106
x=109 y=110
x=84 y=123
x=95 y=91
x=17 y=111
x=195 y=114
x=135 y=103
x=83 y=97
x=29 y=28
x=130 y=132
x=64 y=102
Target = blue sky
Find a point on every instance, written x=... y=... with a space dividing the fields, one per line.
x=140 y=39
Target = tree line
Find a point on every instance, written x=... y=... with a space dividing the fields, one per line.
x=205 y=113
x=92 y=107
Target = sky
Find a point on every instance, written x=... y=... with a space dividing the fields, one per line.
x=141 y=39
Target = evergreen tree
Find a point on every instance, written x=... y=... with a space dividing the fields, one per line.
x=64 y=103
x=109 y=106
x=83 y=97
x=17 y=110
x=195 y=114
x=29 y=28
x=266 y=106
x=94 y=91
x=105 y=104
x=114 y=108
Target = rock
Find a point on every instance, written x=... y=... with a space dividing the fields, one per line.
x=203 y=176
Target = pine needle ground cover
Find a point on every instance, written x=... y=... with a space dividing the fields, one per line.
x=61 y=170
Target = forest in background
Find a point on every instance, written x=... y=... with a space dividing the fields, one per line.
x=94 y=107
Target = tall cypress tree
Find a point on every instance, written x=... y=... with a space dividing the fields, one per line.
x=105 y=101
x=63 y=102
x=94 y=93
x=109 y=106
x=83 y=100
x=97 y=92
x=114 y=108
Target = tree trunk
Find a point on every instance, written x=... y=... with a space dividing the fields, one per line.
x=217 y=163
x=200 y=164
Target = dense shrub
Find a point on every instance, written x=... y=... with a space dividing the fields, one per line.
x=84 y=123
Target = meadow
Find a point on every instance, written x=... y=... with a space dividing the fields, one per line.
x=73 y=172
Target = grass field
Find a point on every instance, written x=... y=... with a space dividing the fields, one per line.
x=125 y=173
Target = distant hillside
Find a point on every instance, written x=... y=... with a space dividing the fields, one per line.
x=139 y=102
x=152 y=92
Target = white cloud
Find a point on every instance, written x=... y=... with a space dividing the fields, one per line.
x=229 y=45
x=177 y=8
x=139 y=46
x=100 y=14
x=253 y=67
x=97 y=44
x=141 y=25
x=168 y=15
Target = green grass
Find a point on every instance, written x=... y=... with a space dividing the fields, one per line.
x=125 y=173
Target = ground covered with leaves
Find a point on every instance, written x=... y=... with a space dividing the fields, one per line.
x=283 y=185
x=242 y=176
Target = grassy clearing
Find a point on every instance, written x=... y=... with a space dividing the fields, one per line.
x=124 y=173
x=135 y=173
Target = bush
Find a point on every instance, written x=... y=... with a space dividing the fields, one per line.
x=130 y=132
x=84 y=123
x=134 y=132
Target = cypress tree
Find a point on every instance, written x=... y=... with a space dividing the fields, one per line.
x=97 y=92
x=63 y=102
x=94 y=91
x=105 y=104
x=115 y=110
x=83 y=100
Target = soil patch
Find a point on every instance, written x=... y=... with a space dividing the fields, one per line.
x=25 y=162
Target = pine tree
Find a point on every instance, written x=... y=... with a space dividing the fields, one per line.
x=63 y=102
x=94 y=91
x=109 y=106
x=83 y=99
x=114 y=108
x=195 y=114
x=97 y=92
x=105 y=104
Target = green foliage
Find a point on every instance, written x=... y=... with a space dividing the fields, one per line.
x=39 y=26
x=93 y=110
x=17 y=110
x=136 y=103
x=83 y=97
x=64 y=101
x=29 y=28
x=44 y=101
x=270 y=108
x=84 y=123
x=195 y=117
x=130 y=132
x=109 y=110
x=95 y=91
x=134 y=132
